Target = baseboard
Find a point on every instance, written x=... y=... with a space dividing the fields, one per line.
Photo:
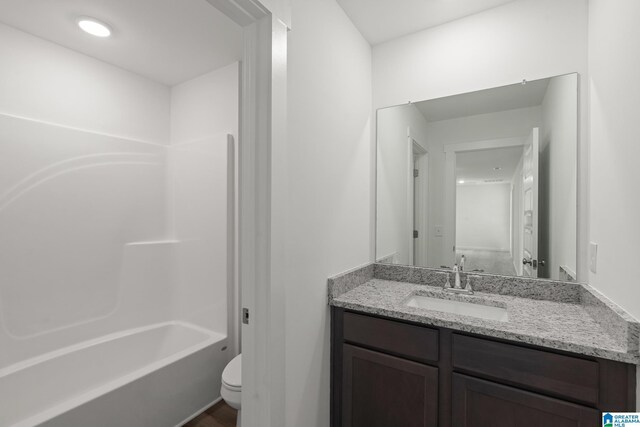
x=387 y=259
x=198 y=412
x=566 y=274
x=473 y=248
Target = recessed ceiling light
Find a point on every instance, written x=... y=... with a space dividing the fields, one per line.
x=94 y=27
x=461 y=181
x=497 y=168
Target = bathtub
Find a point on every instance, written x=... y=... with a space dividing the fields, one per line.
x=158 y=375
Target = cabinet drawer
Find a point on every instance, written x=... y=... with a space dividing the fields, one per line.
x=560 y=375
x=414 y=342
x=480 y=403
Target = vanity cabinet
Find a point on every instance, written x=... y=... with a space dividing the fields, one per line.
x=388 y=373
x=385 y=390
x=479 y=403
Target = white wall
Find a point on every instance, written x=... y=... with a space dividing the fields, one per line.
x=206 y=105
x=558 y=153
x=202 y=170
x=80 y=91
x=82 y=161
x=482 y=217
x=393 y=230
x=526 y=39
x=329 y=158
x=614 y=91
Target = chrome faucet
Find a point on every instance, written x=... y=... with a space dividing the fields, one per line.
x=456 y=280
x=457 y=287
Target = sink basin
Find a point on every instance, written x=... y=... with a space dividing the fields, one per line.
x=480 y=311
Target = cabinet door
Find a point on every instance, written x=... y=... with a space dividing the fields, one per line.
x=386 y=391
x=479 y=403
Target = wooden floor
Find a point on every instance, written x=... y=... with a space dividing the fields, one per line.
x=219 y=415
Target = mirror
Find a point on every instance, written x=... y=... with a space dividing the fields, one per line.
x=486 y=179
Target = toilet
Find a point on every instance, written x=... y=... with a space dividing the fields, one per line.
x=232 y=384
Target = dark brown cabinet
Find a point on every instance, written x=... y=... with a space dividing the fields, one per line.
x=390 y=373
x=566 y=377
x=380 y=390
x=479 y=403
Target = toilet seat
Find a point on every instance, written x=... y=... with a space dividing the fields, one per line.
x=232 y=374
x=230 y=387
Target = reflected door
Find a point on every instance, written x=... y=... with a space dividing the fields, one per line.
x=419 y=200
x=416 y=211
x=530 y=198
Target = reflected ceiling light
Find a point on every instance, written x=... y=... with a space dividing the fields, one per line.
x=461 y=181
x=94 y=27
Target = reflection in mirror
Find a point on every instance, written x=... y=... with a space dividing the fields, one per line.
x=486 y=180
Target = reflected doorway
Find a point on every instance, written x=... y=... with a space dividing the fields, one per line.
x=489 y=208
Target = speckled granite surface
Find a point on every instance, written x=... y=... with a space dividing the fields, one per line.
x=504 y=285
x=349 y=280
x=558 y=315
x=613 y=319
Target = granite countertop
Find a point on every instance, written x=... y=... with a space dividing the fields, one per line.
x=563 y=316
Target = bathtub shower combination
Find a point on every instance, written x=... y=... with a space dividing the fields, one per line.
x=116 y=238
x=157 y=375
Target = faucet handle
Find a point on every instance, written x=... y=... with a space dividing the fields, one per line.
x=467 y=286
x=469 y=277
x=447 y=284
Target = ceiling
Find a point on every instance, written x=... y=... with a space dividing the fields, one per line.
x=485 y=101
x=380 y=21
x=477 y=167
x=168 y=41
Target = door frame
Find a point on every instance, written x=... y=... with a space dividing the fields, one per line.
x=262 y=137
x=415 y=149
x=423 y=207
x=532 y=145
x=451 y=152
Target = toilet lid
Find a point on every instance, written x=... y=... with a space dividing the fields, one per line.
x=232 y=374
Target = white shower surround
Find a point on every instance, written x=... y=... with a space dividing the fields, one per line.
x=111 y=225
